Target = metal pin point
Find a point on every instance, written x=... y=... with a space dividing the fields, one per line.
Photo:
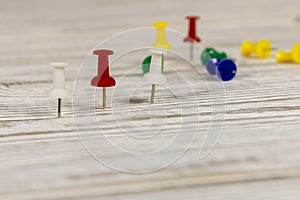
x=152 y=93
x=104 y=97
x=59 y=91
x=191 y=51
x=59 y=107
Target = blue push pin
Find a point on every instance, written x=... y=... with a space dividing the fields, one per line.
x=225 y=69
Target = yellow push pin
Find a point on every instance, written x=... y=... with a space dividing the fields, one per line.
x=161 y=40
x=262 y=48
x=292 y=56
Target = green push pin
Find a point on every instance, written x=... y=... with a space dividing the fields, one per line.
x=210 y=53
x=146 y=64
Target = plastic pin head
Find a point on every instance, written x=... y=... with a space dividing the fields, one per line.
x=292 y=56
x=59 y=90
x=192 y=37
x=296 y=53
x=155 y=75
x=262 y=48
x=210 y=53
x=282 y=56
x=161 y=41
x=247 y=48
x=225 y=69
x=146 y=65
x=103 y=79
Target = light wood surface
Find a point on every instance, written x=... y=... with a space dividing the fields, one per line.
x=44 y=157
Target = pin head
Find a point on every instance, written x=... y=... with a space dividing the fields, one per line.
x=282 y=56
x=59 y=90
x=160 y=24
x=155 y=75
x=154 y=78
x=263 y=48
x=192 y=37
x=146 y=65
x=209 y=53
x=192 y=17
x=103 y=52
x=296 y=53
x=59 y=64
x=247 y=48
x=161 y=40
x=211 y=65
x=59 y=93
x=103 y=79
x=226 y=70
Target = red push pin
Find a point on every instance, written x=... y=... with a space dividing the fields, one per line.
x=192 y=37
x=103 y=79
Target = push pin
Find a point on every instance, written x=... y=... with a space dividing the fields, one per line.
x=209 y=53
x=146 y=64
x=192 y=37
x=262 y=48
x=59 y=91
x=292 y=56
x=161 y=42
x=225 y=69
x=103 y=79
x=155 y=76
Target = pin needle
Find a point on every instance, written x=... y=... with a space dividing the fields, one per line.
x=152 y=93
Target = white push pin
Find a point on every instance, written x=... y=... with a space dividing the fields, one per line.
x=155 y=76
x=59 y=91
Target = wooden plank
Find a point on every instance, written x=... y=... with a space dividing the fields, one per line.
x=42 y=157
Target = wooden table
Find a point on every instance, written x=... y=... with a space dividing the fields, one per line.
x=43 y=157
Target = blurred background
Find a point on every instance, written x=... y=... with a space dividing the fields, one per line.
x=56 y=29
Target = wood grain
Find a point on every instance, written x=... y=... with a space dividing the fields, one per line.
x=43 y=157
